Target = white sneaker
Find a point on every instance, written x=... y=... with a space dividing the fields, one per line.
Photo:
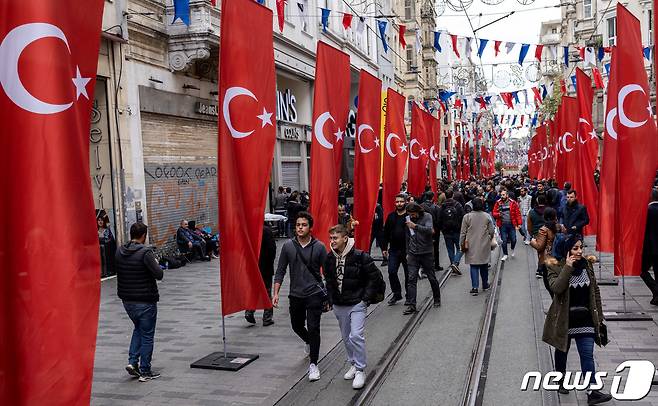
x=512 y=254
x=313 y=373
x=350 y=374
x=307 y=350
x=359 y=380
x=504 y=258
x=526 y=242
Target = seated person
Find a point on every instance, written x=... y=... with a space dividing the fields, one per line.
x=212 y=245
x=189 y=242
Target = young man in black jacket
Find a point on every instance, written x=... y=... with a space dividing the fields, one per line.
x=266 y=267
x=431 y=208
x=351 y=277
x=575 y=216
x=137 y=272
x=395 y=249
x=451 y=214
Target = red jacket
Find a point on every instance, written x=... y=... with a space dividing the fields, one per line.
x=514 y=213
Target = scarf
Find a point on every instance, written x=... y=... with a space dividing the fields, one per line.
x=340 y=262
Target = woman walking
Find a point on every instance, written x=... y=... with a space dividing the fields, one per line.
x=576 y=311
x=475 y=241
x=543 y=243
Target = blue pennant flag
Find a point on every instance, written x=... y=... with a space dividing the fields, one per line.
x=182 y=11
x=445 y=95
x=566 y=56
x=573 y=80
x=516 y=96
x=495 y=119
x=487 y=99
x=325 y=18
x=263 y=2
x=607 y=68
x=382 y=32
x=483 y=44
x=600 y=54
x=544 y=92
x=465 y=104
x=437 y=44
x=534 y=121
x=523 y=53
x=514 y=120
x=647 y=53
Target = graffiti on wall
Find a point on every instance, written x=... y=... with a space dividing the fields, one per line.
x=179 y=191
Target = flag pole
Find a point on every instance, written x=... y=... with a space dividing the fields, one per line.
x=224 y=335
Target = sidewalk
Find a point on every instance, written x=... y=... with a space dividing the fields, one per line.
x=189 y=328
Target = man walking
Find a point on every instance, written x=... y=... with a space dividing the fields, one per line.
x=137 y=272
x=352 y=277
x=431 y=208
x=419 y=254
x=524 y=205
x=304 y=255
x=266 y=267
x=650 y=250
x=395 y=249
x=575 y=216
x=508 y=219
x=451 y=214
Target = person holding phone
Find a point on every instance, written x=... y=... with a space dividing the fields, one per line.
x=576 y=312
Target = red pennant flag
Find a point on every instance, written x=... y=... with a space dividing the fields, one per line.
x=606 y=236
x=50 y=264
x=497 y=47
x=403 y=42
x=454 y=45
x=458 y=103
x=537 y=98
x=395 y=156
x=418 y=152
x=581 y=52
x=587 y=149
x=563 y=86
x=280 y=11
x=637 y=143
x=507 y=99
x=480 y=100
x=247 y=134
x=347 y=20
x=538 y=51
x=433 y=126
x=330 y=111
x=367 y=160
x=598 y=80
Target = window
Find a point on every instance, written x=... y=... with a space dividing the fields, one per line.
x=587 y=8
x=409 y=9
x=554 y=31
x=410 y=58
x=612 y=31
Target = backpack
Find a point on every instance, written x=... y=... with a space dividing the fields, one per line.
x=451 y=218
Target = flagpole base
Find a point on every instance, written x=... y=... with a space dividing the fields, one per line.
x=232 y=362
x=627 y=316
x=607 y=282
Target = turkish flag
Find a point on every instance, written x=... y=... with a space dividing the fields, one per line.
x=367 y=159
x=330 y=111
x=449 y=158
x=637 y=143
x=395 y=154
x=433 y=125
x=568 y=140
x=587 y=149
x=552 y=153
x=605 y=238
x=466 y=154
x=49 y=255
x=247 y=134
x=460 y=159
x=419 y=146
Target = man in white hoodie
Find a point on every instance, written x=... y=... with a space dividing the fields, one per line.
x=353 y=280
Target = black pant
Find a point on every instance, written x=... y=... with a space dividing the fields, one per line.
x=395 y=258
x=435 y=242
x=650 y=261
x=267 y=275
x=305 y=314
x=426 y=261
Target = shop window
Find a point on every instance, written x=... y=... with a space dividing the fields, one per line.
x=290 y=148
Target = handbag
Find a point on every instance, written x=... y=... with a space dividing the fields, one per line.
x=320 y=284
x=603 y=334
x=465 y=246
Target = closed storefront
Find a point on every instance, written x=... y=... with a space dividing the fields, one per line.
x=180 y=163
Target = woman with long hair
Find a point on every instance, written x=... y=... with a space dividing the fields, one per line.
x=475 y=241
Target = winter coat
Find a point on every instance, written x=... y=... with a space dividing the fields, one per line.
x=478 y=231
x=535 y=220
x=556 y=325
x=358 y=279
x=575 y=216
x=267 y=254
x=651 y=233
x=137 y=271
x=514 y=213
x=421 y=240
x=543 y=243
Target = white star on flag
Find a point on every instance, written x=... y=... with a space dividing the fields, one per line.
x=265 y=118
x=80 y=84
x=423 y=151
x=339 y=135
x=377 y=142
x=403 y=147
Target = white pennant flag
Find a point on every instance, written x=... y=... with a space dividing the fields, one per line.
x=302 y=6
x=525 y=93
x=552 y=50
x=469 y=48
x=360 y=25
x=509 y=46
x=419 y=43
x=590 y=56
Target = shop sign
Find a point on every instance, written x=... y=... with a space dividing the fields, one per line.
x=286 y=109
x=206 y=109
x=291 y=133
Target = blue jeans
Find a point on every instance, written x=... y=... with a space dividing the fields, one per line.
x=452 y=245
x=143 y=316
x=524 y=228
x=395 y=258
x=508 y=234
x=483 y=271
x=585 y=345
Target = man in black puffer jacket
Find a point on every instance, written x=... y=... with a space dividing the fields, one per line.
x=137 y=272
x=352 y=281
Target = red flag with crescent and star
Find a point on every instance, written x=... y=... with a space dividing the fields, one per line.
x=419 y=145
x=247 y=134
x=330 y=111
x=367 y=158
x=49 y=256
x=637 y=143
x=434 y=130
x=449 y=157
x=395 y=149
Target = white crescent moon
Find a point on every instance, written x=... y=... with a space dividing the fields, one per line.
x=545 y=150
x=231 y=93
x=388 y=144
x=564 y=142
x=579 y=134
x=319 y=128
x=411 y=149
x=623 y=118
x=362 y=128
x=609 y=123
x=11 y=49
x=433 y=155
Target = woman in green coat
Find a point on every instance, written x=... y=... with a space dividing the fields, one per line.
x=575 y=312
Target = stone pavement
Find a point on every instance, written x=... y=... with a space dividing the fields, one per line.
x=636 y=340
x=189 y=328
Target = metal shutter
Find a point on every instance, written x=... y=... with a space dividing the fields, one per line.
x=290 y=175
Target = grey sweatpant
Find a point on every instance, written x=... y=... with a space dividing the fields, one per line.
x=352 y=322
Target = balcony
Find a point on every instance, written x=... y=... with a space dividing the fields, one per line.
x=188 y=44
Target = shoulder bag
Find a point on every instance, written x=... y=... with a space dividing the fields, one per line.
x=320 y=284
